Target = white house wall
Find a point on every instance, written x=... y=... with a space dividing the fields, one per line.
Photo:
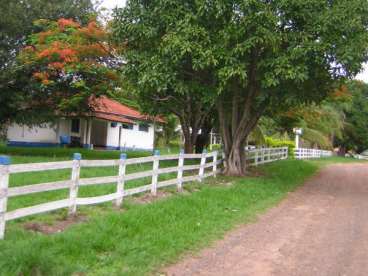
x=130 y=138
x=45 y=135
x=49 y=134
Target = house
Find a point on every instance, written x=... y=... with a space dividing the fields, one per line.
x=109 y=125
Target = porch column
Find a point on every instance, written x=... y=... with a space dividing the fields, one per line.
x=58 y=132
x=87 y=134
x=85 y=131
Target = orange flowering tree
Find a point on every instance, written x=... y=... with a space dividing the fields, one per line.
x=68 y=63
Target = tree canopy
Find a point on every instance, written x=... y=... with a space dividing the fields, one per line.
x=354 y=136
x=16 y=21
x=245 y=57
x=16 y=24
x=168 y=60
x=66 y=64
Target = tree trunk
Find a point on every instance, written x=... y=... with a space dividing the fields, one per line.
x=235 y=164
x=237 y=120
x=189 y=140
x=203 y=139
x=188 y=146
x=342 y=151
x=190 y=124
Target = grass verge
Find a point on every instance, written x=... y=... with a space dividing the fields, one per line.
x=67 y=153
x=142 y=238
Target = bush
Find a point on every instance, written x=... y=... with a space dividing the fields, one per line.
x=274 y=143
x=216 y=147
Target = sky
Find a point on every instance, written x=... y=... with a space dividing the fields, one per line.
x=363 y=75
x=110 y=4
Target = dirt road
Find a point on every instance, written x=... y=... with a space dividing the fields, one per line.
x=321 y=229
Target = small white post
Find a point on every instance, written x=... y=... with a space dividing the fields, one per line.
x=214 y=168
x=156 y=163
x=120 y=184
x=4 y=183
x=256 y=157
x=211 y=140
x=262 y=155
x=73 y=192
x=296 y=141
x=201 y=167
x=180 y=171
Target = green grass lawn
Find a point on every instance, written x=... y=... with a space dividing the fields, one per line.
x=58 y=153
x=140 y=238
x=66 y=153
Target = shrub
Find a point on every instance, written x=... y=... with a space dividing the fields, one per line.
x=274 y=142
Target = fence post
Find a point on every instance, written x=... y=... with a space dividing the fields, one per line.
x=201 y=166
x=73 y=192
x=180 y=170
x=256 y=157
x=156 y=163
x=120 y=184
x=4 y=183
x=286 y=153
x=269 y=151
x=262 y=155
x=214 y=169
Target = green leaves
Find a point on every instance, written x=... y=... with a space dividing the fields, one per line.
x=245 y=56
x=168 y=52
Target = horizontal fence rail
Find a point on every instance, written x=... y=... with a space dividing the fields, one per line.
x=208 y=166
x=304 y=153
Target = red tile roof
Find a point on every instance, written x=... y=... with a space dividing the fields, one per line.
x=107 y=109
x=113 y=118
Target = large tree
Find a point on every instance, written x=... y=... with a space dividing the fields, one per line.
x=16 y=21
x=168 y=56
x=274 y=54
x=246 y=56
x=66 y=64
x=16 y=24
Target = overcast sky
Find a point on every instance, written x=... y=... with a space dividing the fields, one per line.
x=110 y=4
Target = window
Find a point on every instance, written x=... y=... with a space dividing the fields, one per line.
x=75 y=125
x=143 y=127
x=127 y=126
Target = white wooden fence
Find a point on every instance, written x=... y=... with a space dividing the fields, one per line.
x=265 y=155
x=361 y=157
x=304 y=153
x=257 y=156
x=75 y=181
